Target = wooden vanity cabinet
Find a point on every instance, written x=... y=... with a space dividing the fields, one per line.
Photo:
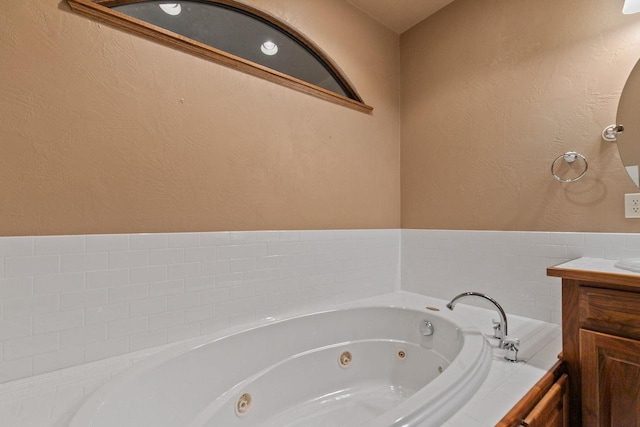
x=601 y=346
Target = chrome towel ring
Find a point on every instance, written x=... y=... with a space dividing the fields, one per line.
x=569 y=157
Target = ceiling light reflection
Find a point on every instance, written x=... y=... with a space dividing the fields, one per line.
x=172 y=9
x=269 y=48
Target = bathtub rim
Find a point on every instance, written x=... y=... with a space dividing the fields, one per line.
x=397 y=300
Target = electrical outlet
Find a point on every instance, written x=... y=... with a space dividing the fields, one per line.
x=632 y=205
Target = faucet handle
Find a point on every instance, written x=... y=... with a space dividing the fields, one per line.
x=511 y=345
x=497 y=329
x=426 y=328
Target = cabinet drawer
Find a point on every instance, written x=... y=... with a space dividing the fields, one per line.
x=542 y=403
x=551 y=411
x=611 y=311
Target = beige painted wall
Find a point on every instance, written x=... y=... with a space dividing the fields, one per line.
x=492 y=92
x=105 y=132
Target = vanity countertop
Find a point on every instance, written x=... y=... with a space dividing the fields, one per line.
x=596 y=270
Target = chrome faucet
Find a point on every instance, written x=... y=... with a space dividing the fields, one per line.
x=500 y=329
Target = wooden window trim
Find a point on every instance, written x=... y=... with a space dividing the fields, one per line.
x=100 y=10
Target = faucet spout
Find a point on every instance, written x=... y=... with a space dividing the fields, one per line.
x=502 y=328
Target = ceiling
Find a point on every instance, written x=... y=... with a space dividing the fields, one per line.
x=399 y=15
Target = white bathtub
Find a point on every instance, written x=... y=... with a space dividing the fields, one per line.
x=290 y=369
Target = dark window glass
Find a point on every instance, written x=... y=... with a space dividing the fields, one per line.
x=239 y=33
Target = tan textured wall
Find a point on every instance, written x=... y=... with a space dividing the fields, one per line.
x=492 y=92
x=105 y=132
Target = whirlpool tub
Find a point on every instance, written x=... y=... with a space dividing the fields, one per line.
x=360 y=365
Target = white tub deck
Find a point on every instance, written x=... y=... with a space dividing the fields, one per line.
x=50 y=400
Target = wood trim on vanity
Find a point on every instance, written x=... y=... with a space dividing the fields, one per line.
x=571 y=345
x=550 y=409
x=608 y=280
x=526 y=405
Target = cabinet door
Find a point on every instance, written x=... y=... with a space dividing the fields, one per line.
x=610 y=380
x=552 y=410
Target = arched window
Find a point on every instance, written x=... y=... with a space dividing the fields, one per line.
x=233 y=34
